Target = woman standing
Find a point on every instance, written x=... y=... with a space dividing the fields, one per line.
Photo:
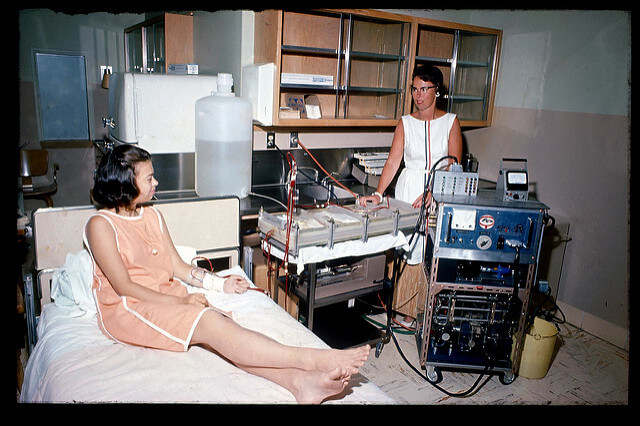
x=420 y=139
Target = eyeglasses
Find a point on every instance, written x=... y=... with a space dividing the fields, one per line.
x=422 y=89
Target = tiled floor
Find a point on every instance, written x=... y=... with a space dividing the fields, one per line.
x=585 y=370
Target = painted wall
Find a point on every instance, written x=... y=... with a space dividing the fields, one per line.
x=100 y=37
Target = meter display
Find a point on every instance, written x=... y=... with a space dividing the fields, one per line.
x=463 y=219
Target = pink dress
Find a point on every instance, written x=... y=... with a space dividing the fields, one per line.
x=147 y=258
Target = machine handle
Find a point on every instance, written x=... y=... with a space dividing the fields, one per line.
x=447 y=235
x=529 y=235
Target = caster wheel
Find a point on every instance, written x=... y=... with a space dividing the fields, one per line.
x=507 y=378
x=379 y=346
x=434 y=374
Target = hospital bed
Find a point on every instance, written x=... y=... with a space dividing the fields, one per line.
x=72 y=361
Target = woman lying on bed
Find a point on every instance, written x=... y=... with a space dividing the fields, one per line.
x=140 y=303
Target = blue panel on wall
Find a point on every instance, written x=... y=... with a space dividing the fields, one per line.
x=62 y=93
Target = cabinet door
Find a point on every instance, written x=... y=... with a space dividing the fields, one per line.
x=155 y=47
x=436 y=46
x=472 y=83
x=311 y=46
x=133 y=46
x=374 y=70
x=468 y=59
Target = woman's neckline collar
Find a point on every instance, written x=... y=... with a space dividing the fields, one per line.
x=434 y=119
x=127 y=217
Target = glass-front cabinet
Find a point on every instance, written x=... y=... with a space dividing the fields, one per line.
x=468 y=59
x=356 y=65
x=155 y=43
x=374 y=68
x=134 y=49
x=145 y=47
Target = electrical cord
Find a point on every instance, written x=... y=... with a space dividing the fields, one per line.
x=428 y=188
x=469 y=392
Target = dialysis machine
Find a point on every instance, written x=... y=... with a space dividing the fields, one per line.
x=481 y=261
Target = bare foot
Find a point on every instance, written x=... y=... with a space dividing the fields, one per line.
x=348 y=360
x=313 y=387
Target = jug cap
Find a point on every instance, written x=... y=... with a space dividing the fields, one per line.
x=225 y=82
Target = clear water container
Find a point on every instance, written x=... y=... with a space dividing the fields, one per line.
x=224 y=134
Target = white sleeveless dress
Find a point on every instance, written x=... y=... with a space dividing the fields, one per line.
x=425 y=142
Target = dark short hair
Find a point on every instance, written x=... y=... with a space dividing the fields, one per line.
x=429 y=73
x=114 y=184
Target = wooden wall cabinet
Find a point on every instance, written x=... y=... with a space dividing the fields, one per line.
x=155 y=43
x=363 y=55
x=368 y=57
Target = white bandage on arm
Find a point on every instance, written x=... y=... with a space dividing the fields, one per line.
x=213 y=282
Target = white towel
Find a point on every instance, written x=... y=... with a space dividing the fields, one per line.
x=71 y=284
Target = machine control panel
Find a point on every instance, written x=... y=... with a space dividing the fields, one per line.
x=480 y=232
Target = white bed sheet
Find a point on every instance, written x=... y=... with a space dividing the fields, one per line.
x=74 y=362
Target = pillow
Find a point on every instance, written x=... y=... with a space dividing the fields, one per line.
x=71 y=283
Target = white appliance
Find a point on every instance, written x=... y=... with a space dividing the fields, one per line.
x=257 y=86
x=156 y=111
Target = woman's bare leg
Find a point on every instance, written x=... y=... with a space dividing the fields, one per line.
x=252 y=349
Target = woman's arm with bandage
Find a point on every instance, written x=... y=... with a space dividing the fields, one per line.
x=200 y=277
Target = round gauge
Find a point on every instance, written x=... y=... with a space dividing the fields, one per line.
x=483 y=242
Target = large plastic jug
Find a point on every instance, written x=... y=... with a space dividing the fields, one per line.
x=224 y=142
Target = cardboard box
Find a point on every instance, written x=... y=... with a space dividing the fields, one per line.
x=312 y=106
x=308 y=106
x=296 y=103
x=286 y=112
x=310 y=79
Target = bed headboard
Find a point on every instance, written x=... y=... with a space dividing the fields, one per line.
x=210 y=225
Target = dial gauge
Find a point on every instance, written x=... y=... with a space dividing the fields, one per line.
x=463 y=219
x=483 y=242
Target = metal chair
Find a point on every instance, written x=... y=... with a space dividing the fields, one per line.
x=38 y=179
